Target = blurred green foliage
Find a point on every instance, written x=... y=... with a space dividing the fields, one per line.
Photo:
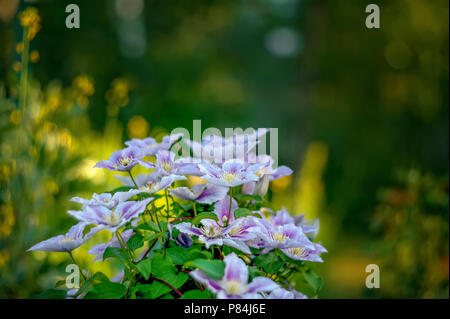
x=353 y=107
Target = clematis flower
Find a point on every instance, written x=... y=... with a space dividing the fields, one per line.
x=112 y=220
x=234 y=283
x=168 y=140
x=99 y=250
x=283 y=217
x=202 y=193
x=217 y=149
x=281 y=237
x=281 y=293
x=232 y=173
x=106 y=199
x=151 y=183
x=184 y=240
x=64 y=243
x=266 y=174
x=148 y=146
x=166 y=164
x=305 y=253
x=123 y=160
x=211 y=233
x=222 y=210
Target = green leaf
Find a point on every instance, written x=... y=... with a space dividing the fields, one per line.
x=114 y=252
x=162 y=266
x=312 y=279
x=158 y=289
x=100 y=277
x=212 y=268
x=199 y=217
x=154 y=226
x=145 y=227
x=145 y=267
x=107 y=290
x=264 y=261
x=177 y=280
x=243 y=212
x=144 y=289
x=178 y=255
x=197 y=294
x=153 y=236
x=52 y=294
x=198 y=254
x=136 y=241
x=246 y=197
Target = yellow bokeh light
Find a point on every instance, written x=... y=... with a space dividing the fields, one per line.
x=137 y=127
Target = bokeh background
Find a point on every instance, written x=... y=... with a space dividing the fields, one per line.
x=362 y=118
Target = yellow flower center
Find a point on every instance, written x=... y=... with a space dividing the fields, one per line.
x=112 y=219
x=210 y=231
x=229 y=177
x=236 y=231
x=149 y=187
x=167 y=167
x=259 y=173
x=234 y=287
x=278 y=237
x=125 y=161
x=298 y=251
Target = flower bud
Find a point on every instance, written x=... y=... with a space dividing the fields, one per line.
x=262 y=186
x=184 y=240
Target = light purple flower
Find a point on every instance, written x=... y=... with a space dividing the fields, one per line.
x=222 y=210
x=151 y=183
x=283 y=217
x=123 y=160
x=106 y=199
x=211 y=233
x=112 y=220
x=64 y=243
x=168 y=140
x=99 y=250
x=217 y=149
x=166 y=164
x=305 y=253
x=281 y=232
x=234 y=283
x=148 y=146
x=281 y=293
x=266 y=174
x=232 y=173
x=184 y=240
x=202 y=193
x=281 y=237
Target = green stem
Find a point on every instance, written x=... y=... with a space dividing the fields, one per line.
x=151 y=216
x=167 y=203
x=156 y=216
x=132 y=178
x=124 y=247
x=195 y=208
x=73 y=259
x=229 y=210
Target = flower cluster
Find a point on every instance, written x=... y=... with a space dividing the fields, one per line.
x=222 y=231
